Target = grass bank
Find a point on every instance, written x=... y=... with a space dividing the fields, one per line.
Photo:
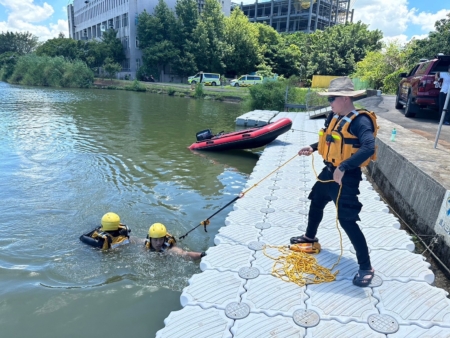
x=225 y=93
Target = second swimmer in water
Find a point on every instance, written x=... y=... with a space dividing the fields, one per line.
x=159 y=240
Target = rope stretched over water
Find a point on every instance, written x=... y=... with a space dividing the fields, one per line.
x=207 y=222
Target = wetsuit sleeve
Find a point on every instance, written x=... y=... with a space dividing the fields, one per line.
x=363 y=129
x=314 y=146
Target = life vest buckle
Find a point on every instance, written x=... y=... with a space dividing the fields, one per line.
x=329 y=139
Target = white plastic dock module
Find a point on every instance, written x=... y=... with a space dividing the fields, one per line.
x=236 y=295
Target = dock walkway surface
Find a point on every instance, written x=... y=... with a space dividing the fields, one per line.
x=236 y=295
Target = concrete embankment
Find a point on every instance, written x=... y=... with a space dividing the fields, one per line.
x=414 y=177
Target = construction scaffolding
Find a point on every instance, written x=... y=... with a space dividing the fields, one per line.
x=299 y=15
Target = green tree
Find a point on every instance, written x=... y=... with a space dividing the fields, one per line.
x=20 y=43
x=113 y=46
x=287 y=60
x=156 y=35
x=67 y=48
x=336 y=50
x=269 y=41
x=377 y=65
x=7 y=62
x=209 y=36
x=187 y=20
x=111 y=68
x=242 y=53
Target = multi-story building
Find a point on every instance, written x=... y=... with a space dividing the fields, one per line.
x=299 y=15
x=88 y=19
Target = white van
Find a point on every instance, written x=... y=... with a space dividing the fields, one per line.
x=246 y=80
x=209 y=79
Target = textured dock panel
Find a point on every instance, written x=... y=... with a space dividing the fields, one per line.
x=273 y=296
x=279 y=235
x=264 y=263
x=413 y=331
x=236 y=234
x=213 y=288
x=260 y=326
x=245 y=216
x=227 y=257
x=342 y=301
x=195 y=322
x=401 y=265
x=334 y=329
x=414 y=303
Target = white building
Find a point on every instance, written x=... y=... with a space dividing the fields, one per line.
x=88 y=19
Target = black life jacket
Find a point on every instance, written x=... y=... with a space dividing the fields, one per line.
x=107 y=239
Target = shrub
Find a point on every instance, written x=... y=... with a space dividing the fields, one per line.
x=390 y=82
x=136 y=86
x=269 y=95
x=171 y=91
x=51 y=71
x=199 y=93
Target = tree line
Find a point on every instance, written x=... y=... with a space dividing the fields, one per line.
x=182 y=41
x=187 y=42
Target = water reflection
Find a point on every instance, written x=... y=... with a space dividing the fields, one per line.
x=69 y=156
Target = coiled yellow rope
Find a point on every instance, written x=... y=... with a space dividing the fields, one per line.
x=302 y=268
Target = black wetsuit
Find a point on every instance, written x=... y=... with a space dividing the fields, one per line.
x=349 y=205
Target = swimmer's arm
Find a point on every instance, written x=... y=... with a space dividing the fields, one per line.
x=187 y=254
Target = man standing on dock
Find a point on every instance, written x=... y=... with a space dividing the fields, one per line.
x=346 y=143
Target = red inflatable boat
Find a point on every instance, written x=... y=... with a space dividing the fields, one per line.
x=243 y=139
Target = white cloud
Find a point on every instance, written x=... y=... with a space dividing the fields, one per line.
x=25 y=16
x=391 y=17
x=401 y=39
x=427 y=20
x=394 y=18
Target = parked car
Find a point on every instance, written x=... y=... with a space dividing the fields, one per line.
x=418 y=89
x=209 y=79
x=246 y=81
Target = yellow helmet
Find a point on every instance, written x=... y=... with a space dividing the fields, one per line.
x=110 y=221
x=157 y=230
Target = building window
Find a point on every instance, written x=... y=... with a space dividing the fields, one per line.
x=138 y=64
x=125 y=20
x=137 y=43
x=126 y=65
x=125 y=42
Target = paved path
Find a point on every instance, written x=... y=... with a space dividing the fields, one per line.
x=425 y=123
x=236 y=295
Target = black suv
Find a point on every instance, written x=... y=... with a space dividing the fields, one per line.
x=418 y=89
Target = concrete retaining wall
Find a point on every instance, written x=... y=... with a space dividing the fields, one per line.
x=414 y=178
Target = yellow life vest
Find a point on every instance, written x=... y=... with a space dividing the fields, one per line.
x=337 y=144
x=169 y=242
x=111 y=241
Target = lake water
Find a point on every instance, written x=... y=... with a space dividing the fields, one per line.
x=69 y=156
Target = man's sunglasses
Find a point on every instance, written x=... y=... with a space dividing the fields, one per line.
x=332 y=98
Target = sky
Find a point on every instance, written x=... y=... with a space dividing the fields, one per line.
x=397 y=19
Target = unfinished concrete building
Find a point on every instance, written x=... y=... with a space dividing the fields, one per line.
x=299 y=15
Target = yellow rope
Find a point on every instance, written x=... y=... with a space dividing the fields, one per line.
x=337 y=212
x=281 y=166
x=299 y=267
